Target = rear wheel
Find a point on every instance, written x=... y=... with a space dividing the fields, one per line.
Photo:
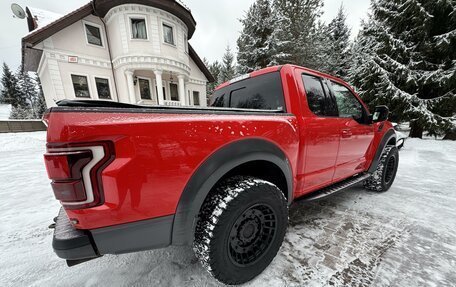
x=383 y=177
x=240 y=229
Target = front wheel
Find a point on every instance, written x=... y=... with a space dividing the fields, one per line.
x=240 y=229
x=383 y=177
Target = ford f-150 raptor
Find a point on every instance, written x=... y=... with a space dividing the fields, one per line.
x=220 y=178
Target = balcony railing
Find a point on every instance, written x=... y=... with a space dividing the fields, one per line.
x=172 y=103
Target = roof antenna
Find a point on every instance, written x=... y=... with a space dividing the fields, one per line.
x=17 y=11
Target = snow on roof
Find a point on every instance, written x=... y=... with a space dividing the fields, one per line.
x=5 y=111
x=43 y=17
x=182 y=3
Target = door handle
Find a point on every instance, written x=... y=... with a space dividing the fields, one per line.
x=346 y=133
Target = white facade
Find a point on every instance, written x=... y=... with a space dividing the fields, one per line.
x=136 y=54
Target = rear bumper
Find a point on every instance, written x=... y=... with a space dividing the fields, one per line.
x=73 y=244
x=70 y=243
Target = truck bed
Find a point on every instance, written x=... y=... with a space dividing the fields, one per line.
x=157 y=149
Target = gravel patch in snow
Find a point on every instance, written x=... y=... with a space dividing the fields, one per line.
x=404 y=237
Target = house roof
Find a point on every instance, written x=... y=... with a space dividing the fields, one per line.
x=48 y=26
x=102 y=7
x=40 y=18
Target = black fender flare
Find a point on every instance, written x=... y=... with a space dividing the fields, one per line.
x=212 y=170
x=390 y=134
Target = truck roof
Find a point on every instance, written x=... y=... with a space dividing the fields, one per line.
x=275 y=69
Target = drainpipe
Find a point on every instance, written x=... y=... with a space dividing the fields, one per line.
x=108 y=45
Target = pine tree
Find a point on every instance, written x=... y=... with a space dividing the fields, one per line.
x=338 y=48
x=11 y=93
x=254 y=50
x=295 y=33
x=405 y=57
x=227 y=70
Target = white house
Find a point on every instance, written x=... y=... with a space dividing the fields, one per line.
x=133 y=52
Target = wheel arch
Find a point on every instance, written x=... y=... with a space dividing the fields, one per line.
x=225 y=161
x=389 y=138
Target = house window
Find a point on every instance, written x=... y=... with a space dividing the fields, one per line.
x=144 y=89
x=168 y=35
x=103 y=88
x=196 y=98
x=138 y=28
x=93 y=35
x=80 y=86
x=186 y=43
x=174 y=92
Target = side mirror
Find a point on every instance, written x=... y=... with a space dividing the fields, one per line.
x=380 y=114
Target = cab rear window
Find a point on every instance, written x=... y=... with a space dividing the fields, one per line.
x=263 y=92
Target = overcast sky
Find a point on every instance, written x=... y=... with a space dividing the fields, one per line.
x=217 y=23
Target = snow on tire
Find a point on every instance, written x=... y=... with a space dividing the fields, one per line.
x=385 y=173
x=240 y=228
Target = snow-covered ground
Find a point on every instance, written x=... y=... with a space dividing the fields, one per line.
x=5 y=111
x=404 y=237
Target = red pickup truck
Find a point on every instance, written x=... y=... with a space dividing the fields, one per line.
x=221 y=178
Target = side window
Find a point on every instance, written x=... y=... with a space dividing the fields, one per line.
x=316 y=98
x=347 y=103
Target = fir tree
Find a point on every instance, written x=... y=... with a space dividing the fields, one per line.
x=338 y=48
x=227 y=69
x=405 y=58
x=215 y=69
x=324 y=48
x=295 y=33
x=20 y=113
x=11 y=93
x=28 y=90
x=40 y=102
x=254 y=50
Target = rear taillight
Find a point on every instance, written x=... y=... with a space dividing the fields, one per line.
x=75 y=171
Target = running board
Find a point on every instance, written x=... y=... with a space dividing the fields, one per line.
x=339 y=186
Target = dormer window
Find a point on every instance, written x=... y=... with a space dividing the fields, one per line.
x=93 y=34
x=168 y=34
x=138 y=28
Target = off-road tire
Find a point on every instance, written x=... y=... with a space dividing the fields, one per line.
x=385 y=173
x=240 y=229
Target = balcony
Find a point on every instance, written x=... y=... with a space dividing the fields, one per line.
x=172 y=103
